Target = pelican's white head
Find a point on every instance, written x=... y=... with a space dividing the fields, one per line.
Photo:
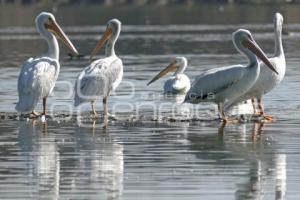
x=240 y=36
x=115 y=26
x=278 y=21
x=41 y=21
x=110 y=36
x=177 y=65
x=245 y=43
x=47 y=27
x=181 y=63
x=44 y=18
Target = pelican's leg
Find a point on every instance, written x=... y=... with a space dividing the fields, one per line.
x=261 y=107
x=219 y=112
x=105 y=107
x=44 y=106
x=253 y=105
x=222 y=115
x=262 y=112
x=93 y=109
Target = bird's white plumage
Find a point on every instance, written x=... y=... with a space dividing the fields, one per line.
x=178 y=84
x=98 y=79
x=224 y=85
x=220 y=84
x=38 y=75
x=104 y=75
x=36 y=80
x=267 y=80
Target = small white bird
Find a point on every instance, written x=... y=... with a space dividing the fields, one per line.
x=179 y=83
x=104 y=75
x=38 y=75
x=266 y=81
x=222 y=85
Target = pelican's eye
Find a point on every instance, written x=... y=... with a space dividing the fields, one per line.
x=48 y=24
x=250 y=37
x=50 y=20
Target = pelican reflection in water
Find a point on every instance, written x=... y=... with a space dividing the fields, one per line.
x=43 y=160
x=60 y=165
x=261 y=178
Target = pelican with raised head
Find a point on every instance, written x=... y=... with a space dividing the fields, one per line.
x=38 y=75
x=179 y=83
x=222 y=85
x=102 y=76
x=266 y=81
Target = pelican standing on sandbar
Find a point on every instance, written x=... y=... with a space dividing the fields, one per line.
x=102 y=76
x=179 y=83
x=225 y=84
x=266 y=81
x=38 y=75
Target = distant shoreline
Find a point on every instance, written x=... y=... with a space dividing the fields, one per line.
x=143 y=2
x=87 y=14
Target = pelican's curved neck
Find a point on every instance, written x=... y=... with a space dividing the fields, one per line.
x=110 y=46
x=181 y=69
x=253 y=61
x=53 y=48
x=278 y=40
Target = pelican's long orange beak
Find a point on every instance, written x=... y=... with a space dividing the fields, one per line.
x=170 y=68
x=56 y=30
x=107 y=34
x=253 y=46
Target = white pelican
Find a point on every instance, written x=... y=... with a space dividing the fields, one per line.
x=179 y=83
x=225 y=84
x=38 y=75
x=266 y=81
x=102 y=75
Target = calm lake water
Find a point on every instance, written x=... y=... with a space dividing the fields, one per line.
x=146 y=159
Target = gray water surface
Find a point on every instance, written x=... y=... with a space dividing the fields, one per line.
x=149 y=159
x=146 y=161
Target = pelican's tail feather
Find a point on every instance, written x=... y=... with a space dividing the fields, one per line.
x=78 y=100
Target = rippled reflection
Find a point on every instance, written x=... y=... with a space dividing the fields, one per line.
x=264 y=168
x=42 y=159
x=84 y=164
x=242 y=151
x=191 y=159
x=280 y=162
x=99 y=165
